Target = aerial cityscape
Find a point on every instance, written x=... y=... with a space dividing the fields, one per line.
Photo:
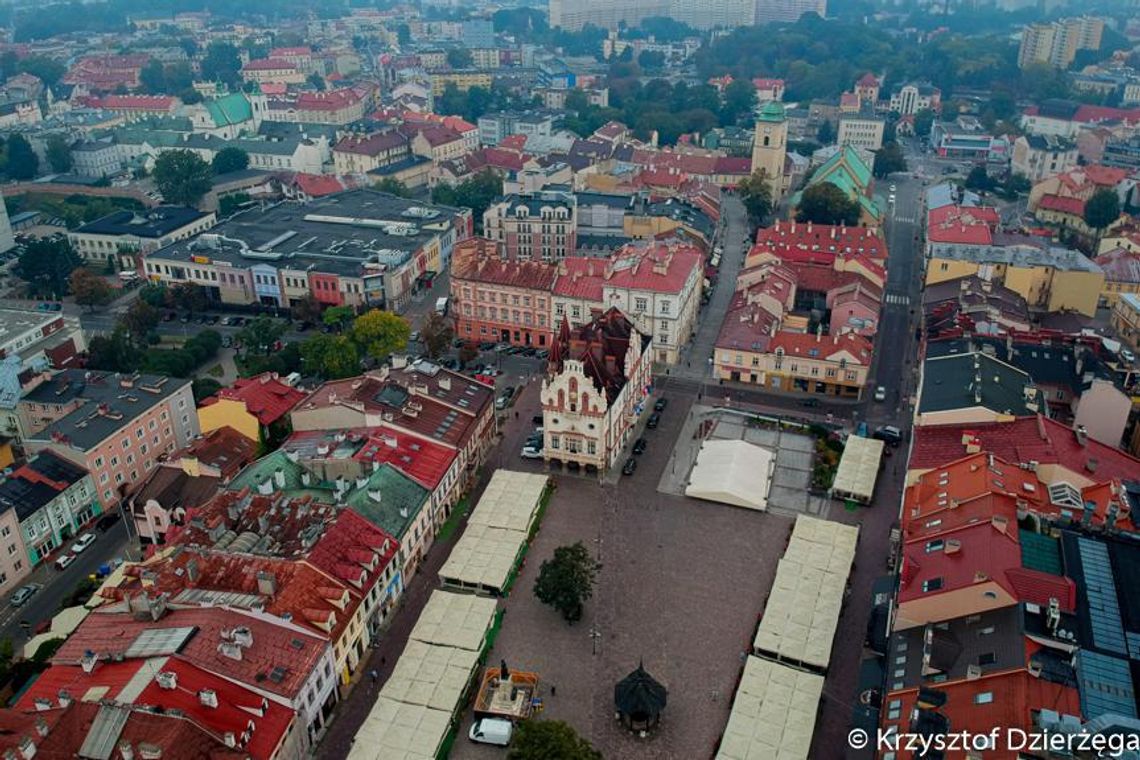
x=570 y=379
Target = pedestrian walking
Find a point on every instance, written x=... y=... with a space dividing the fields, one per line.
x=374 y=675
x=553 y=690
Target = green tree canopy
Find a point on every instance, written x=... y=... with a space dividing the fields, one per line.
x=979 y=179
x=825 y=135
x=889 y=159
x=21 y=162
x=459 y=58
x=380 y=333
x=550 y=740
x=317 y=82
x=476 y=194
x=47 y=264
x=182 y=177
x=923 y=121
x=331 y=356
x=436 y=334
x=393 y=186
x=566 y=581
x=1102 y=209
x=229 y=160
x=824 y=203
x=260 y=336
x=59 y=154
x=756 y=193
x=221 y=63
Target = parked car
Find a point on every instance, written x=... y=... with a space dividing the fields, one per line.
x=810 y=402
x=629 y=467
x=497 y=731
x=531 y=452
x=62 y=562
x=84 y=541
x=639 y=446
x=880 y=393
x=23 y=594
x=889 y=433
x=505 y=398
x=661 y=404
x=107 y=521
x=541 y=353
x=653 y=421
x=1127 y=355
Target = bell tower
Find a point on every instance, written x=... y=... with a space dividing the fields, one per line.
x=770 y=145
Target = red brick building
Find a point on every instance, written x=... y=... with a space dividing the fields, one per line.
x=495 y=300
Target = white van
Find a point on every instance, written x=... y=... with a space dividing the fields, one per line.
x=497 y=731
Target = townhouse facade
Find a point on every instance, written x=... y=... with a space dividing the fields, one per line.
x=538 y=226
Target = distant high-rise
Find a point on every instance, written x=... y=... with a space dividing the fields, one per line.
x=7 y=241
x=1057 y=43
x=572 y=15
x=710 y=14
x=768 y=11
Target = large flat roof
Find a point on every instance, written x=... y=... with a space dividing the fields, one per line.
x=455 y=620
x=732 y=472
x=339 y=234
x=803 y=608
x=1017 y=255
x=398 y=731
x=153 y=223
x=510 y=500
x=858 y=468
x=432 y=676
x=773 y=715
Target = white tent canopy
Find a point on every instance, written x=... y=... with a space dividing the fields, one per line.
x=732 y=472
x=858 y=469
x=773 y=714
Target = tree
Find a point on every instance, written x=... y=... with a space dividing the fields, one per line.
x=476 y=194
x=182 y=177
x=889 y=159
x=152 y=77
x=308 y=309
x=113 y=353
x=22 y=161
x=337 y=317
x=89 y=289
x=380 y=333
x=330 y=356
x=261 y=335
x=316 y=81
x=203 y=388
x=825 y=135
x=979 y=179
x=550 y=740
x=739 y=100
x=651 y=60
x=923 y=121
x=1016 y=184
x=468 y=352
x=141 y=318
x=436 y=334
x=824 y=203
x=393 y=186
x=459 y=58
x=567 y=581
x=229 y=160
x=155 y=294
x=404 y=34
x=189 y=296
x=221 y=63
x=58 y=154
x=49 y=70
x=1102 y=209
x=756 y=192
x=46 y=264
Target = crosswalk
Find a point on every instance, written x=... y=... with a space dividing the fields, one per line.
x=900 y=299
x=904 y=219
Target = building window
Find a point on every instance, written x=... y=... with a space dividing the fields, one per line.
x=640 y=304
x=985 y=698
x=932 y=584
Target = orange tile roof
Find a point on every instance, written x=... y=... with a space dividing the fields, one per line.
x=265 y=397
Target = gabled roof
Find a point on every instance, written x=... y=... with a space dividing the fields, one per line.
x=1061 y=204
x=264 y=396
x=230 y=109
x=1120 y=265
x=602 y=346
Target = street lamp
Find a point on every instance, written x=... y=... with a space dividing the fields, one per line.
x=595 y=634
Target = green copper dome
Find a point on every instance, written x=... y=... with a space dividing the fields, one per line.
x=772 y=112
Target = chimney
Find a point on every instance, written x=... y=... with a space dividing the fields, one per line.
x=126 y=751
x=266 y=583
x=208 y=697
x=279 y=478
x=265 y=487
x=167 y=680
x=1082 y=435
x=89 y=661
x=375 y=495
x=229 y=649
x=1053 y=615
x=361 y=482
x=64 y=698
x=306 y=478
x=192 y=572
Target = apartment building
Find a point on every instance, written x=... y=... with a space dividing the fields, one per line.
x=251 y=406
x=1041 y=156
x=495 y=127
x=125 y=237
x=53 y=500
x=914 y=97
x=359 y=154
x=1057 y=43
x=861 y=131
x=769 y=11
x=538 y=226
x=656 y=285
x=338 y=107
x=114 y=426
x=495 y=300
x=595 y=389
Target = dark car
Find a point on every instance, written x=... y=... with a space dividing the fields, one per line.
x=809 y=402
x=639 y=446
x=661 y=404
x=653 y=420
x=629 y=467
x=107 y=521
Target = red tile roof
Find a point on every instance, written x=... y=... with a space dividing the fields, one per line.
x=733 y=165
x=423 y=461
x=868 y=80
x=372 y=145
x=320 y=185
x=330 y=100
x=1026 y=439
x=237 y=706
x=269 y=64
x=985 y=553
x=654 y=267
x=1089 y=113
x=513 y=142
x=297 y=51
x=224 y=448
x=353 y=549
x=293 y=522
x=761 y=83
x=1072 y=206
x=477 y=260
x=961 y=224
x=265 y=397
x=827 y=347
x=133 y=102
x=286 y=647
x=784 y=237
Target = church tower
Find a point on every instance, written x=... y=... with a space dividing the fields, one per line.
x=770 y=145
